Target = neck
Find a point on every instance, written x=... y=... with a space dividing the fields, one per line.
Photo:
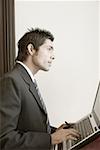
x=32 y=67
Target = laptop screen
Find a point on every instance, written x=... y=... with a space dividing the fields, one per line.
x=96 y=107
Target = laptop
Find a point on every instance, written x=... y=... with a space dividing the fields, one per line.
x=88 y=126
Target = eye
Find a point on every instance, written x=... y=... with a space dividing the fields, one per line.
x=49 y=49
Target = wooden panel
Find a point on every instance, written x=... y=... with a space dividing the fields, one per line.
x=7 y=35
x=1 y=40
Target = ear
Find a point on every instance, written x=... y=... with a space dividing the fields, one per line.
x=31 y=49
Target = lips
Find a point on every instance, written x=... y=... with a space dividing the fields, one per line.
x=49 y=62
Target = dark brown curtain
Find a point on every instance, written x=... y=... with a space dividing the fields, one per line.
x=7 y=35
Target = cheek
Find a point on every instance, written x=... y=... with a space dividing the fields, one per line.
x=42 y=58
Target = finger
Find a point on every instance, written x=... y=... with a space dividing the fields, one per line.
x=72 y=132
x=70 y=137
x=75 y=134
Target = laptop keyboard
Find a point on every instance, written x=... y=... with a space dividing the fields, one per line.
x=85 y=129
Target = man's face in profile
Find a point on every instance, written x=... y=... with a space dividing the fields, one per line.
x=43 y=58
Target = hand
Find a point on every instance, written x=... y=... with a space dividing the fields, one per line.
x=65 y=126
x=64 y=134
x=61 y=126
x=69 y=125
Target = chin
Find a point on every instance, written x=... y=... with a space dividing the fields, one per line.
x=45 y=69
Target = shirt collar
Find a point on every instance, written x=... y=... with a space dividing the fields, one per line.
x=28 y=70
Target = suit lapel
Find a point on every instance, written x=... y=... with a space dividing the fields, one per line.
x=30 y=84
x=32 y=89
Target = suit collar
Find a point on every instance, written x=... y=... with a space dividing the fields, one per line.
x=26 y=77
x=27 y=69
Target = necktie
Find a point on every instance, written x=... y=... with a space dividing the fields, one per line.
x=44 y=107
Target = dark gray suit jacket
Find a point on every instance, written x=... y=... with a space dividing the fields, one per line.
x=23 y=120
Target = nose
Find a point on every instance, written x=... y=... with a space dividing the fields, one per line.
x=52 y=57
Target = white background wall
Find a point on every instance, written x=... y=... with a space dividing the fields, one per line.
x=69 y=87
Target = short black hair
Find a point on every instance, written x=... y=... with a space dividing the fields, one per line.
x=36 y=37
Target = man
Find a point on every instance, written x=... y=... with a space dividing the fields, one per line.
x=24 y=119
